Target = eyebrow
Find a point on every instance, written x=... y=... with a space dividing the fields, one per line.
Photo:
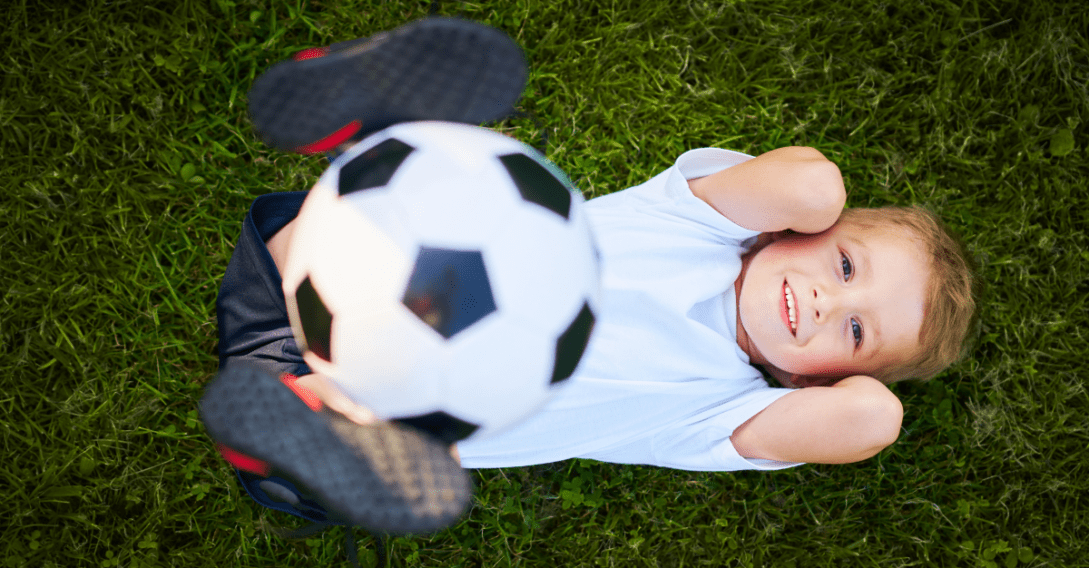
x=878 y=343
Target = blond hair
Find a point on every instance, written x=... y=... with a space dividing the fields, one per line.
x=950 y=310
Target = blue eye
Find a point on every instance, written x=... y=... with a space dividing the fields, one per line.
x=848 y=270
x=856 y=329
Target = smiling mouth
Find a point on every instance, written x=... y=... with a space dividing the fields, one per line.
x=788 y=311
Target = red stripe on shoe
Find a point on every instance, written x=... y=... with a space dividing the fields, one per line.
x=244 y=462
x=311 y=53
x=333 y=140
x=302 y=392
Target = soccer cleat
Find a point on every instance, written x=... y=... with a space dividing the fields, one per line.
x=436 y=68
x=386 y=478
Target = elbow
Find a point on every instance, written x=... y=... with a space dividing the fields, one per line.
x=883 y=421
x=895 y=420
x=878 y=411
x=883 y=440
x=827 y=190
x=803 y=153
x=822 y=196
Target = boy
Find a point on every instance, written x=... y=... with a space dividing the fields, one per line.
x=834 y=303
x=721 y=262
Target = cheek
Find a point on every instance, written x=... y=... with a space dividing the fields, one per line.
x=790 y=254
x=830 y=366
x=821 y=356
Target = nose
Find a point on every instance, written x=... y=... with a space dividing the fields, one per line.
x=826 y=303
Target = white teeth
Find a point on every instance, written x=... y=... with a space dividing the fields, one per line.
x=790 y=310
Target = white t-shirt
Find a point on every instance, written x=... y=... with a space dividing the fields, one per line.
x=663 y=380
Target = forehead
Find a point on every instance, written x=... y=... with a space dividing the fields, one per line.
x=876 y=231
x=890 y=241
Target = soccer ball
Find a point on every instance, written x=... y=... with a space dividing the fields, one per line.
x=444 y=276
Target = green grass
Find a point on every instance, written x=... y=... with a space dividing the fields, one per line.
x=128 y=164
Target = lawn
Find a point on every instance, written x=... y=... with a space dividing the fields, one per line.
x=128 y=164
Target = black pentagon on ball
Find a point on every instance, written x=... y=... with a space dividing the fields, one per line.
x=440 y=425
x=537 y=184
x=317 y=322
x=572 y=344
x=449 y=290
x=373 y=168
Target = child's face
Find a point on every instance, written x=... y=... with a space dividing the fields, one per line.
x=858 y=301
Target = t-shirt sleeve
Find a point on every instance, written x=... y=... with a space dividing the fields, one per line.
x=665 y=204
x=702 y=442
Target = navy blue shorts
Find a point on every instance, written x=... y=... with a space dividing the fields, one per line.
x=254 y=328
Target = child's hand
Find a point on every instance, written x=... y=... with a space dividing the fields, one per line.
x=793 y=188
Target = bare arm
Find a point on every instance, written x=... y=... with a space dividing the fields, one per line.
x=793 y=188
x=848 y=422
